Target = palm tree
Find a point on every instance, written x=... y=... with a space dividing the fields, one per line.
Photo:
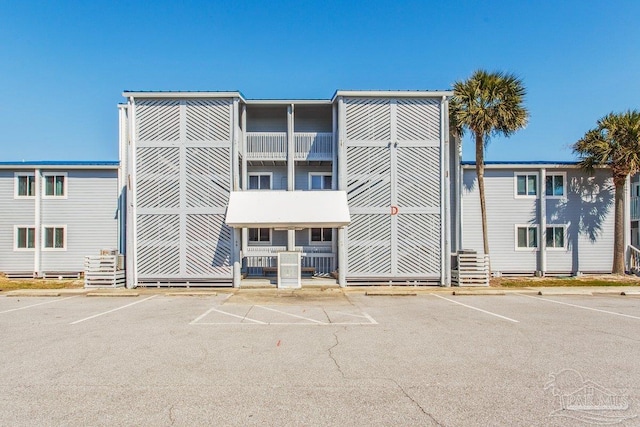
x=615 y=142
x=487 y=104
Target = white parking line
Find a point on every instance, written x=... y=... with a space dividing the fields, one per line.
x=292 y=315
x=583 y=307
x=203 y=315
x=35 y=305
x=111 y=311
x=478 y=309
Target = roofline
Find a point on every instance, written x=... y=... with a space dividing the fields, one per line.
x=50 y=164
x=288 y=101
x=182 y=94
x=393 y=93
x=534 y=164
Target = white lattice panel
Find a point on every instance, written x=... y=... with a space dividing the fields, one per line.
x=368 y=176
x=368 y=119
x=158 y=177
x=369 y=245
x=418 y=245
x=418 y=120
x=158 y=245
x=208 y=172
x=208 y=249
x=209 y=120
x=158 y=120
x=418 y=176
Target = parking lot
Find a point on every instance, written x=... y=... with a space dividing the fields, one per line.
x=325 y=358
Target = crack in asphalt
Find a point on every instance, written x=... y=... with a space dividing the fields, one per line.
x=172 y=419
x=335 y=361
x=431 y=417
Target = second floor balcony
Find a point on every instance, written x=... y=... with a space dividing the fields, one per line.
x=312 y=146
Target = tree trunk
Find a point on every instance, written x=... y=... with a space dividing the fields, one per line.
x=618 y=233
x=480 y=174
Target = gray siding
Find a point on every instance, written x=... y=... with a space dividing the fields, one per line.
x=279 y=175
x=313 y=119
x=587 y=212
x=90 y=215
x=266 y=119
x=14 y=212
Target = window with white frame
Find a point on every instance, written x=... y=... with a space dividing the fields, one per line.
x=55 y=184
x=25 y=184
x=25 y=238
x=320 y=235
x=556 y=236
x=526 y=236
x=260 y=181
x=555 y=185
x=320 y=181
x=526 y=185
x=260 y=235
x=54 y=237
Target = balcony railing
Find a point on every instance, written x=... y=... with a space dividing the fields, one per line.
x=319 y=257
x=635 y=208
x=273 y=146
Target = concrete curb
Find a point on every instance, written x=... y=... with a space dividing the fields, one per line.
x=191 y=294
x=112 y=294
x=30 y=293
x=550 y=292
x=391 y=294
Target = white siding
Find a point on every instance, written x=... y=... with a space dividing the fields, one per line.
x=587 y=211
x=14 y=212
x=90 y=214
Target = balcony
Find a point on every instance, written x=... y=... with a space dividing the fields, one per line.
x=309 y=146
x=635 y=208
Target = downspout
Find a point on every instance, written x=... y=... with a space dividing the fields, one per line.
x=542 y=245
x=37 y=227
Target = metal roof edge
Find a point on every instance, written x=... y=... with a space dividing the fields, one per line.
x=183 y=94
x=467 y=164
x=392 y=93
x=56 y=164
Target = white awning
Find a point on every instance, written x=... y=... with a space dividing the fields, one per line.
x=288 y=209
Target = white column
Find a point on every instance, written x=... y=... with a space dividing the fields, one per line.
x=132 y=246
x=291 y=170
x=237 y=258
x=341 y=157
x=446 y=187
x=627 y=216
x=37 y=226
x=245 y=173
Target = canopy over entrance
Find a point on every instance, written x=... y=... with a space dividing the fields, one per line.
x=288 y=209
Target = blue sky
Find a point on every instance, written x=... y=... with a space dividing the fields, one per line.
x=64 y=65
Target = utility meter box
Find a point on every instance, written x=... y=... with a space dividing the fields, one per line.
x=289 y=270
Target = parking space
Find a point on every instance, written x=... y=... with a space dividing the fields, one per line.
x=316 y=358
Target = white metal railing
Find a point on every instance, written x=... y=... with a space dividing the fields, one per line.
x=319 y=257
x=314 y=146
x=635 y=208
x=273 y=146
x=267 y=145
x=633 y=259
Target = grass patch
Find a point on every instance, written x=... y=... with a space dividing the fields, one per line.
x=13 y=284
x=526 y=282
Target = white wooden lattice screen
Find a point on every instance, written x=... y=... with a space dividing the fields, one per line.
x=183 y=179
x=393 y=159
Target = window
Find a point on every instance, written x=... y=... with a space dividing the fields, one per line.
x=55 y=185
x=259 y=235
x=554 y=185
x=526 y=185
x=54 y=237
x=526 y=237
x=25 y=185
x=556 y=236
x=25 y=237
x=319 y=181
x=321 y=235
x=260 y=181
